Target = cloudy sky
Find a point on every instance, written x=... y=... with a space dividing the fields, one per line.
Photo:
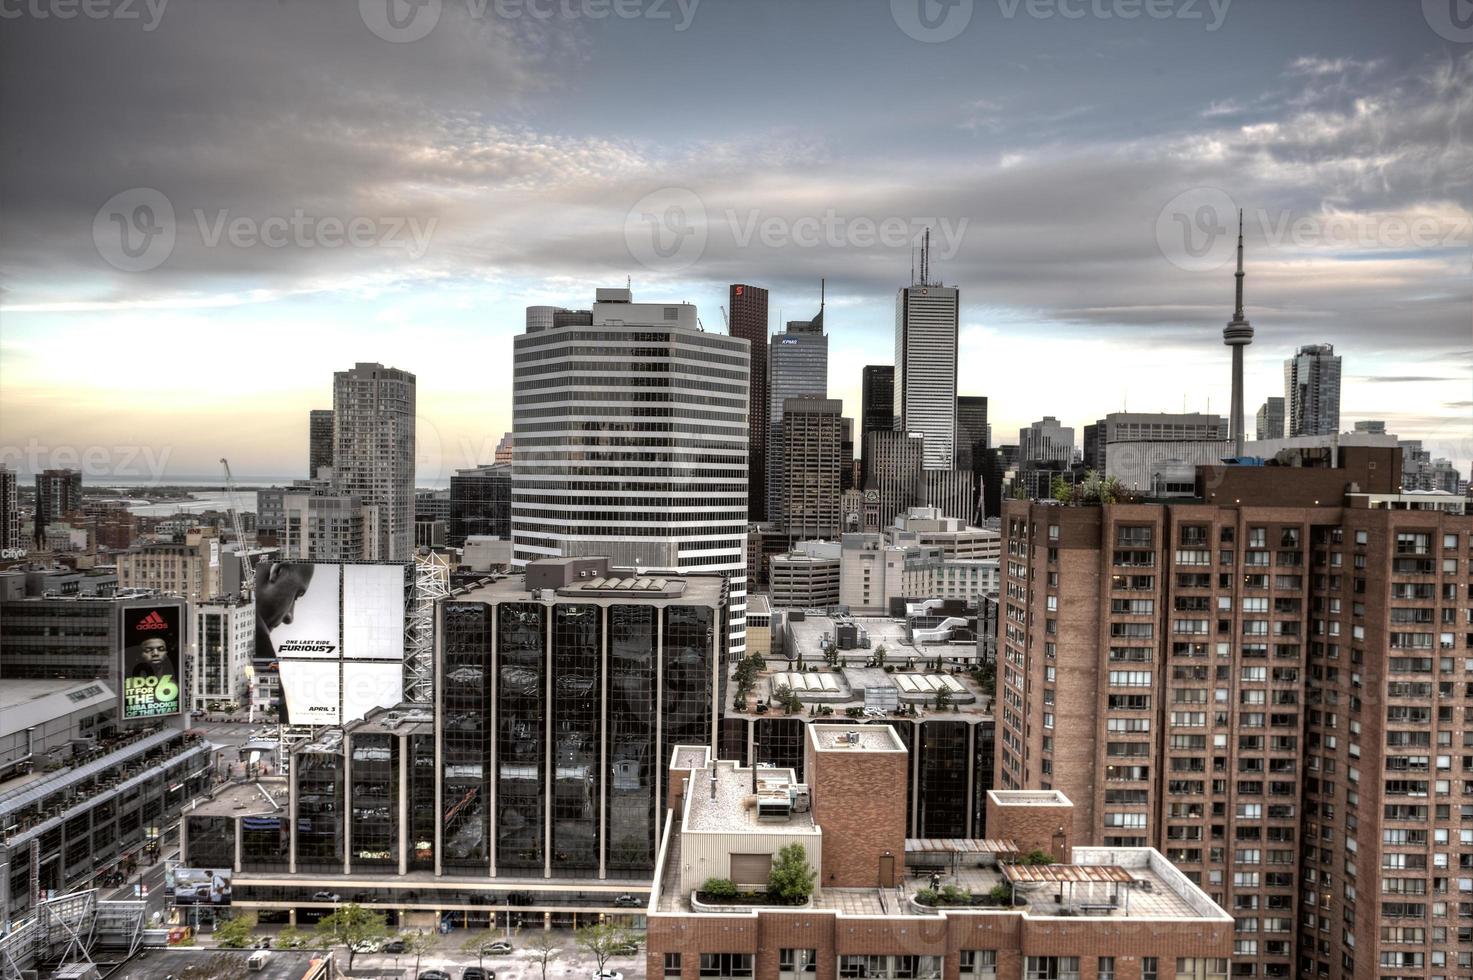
x=208 y=207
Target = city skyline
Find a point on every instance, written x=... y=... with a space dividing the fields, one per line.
x=1343 y=139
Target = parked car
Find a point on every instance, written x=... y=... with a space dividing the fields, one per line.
x=366 y=946
x=627 y=902
x=326 y=897
x=433 y=975
x=477 y=973
x=499 y=948
x=395 y=946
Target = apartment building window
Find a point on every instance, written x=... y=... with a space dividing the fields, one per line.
x=1106 y=968
x=882 y=967
x=1052 y=968
x=727 y=965
x=672 y=966
x=977 y=964
x=794 y=964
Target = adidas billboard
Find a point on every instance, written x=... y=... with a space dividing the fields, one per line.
x=152 y=637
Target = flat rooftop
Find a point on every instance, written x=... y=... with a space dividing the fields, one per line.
x=164 y=964
x=732 y=808
x=703 y=590
x=845 y=687
x=1138 y=883
x=806 y=638
x=854 y=738
x=244 y=800
x=1028 y=797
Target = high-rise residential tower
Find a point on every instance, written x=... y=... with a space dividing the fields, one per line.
x=798 y=367
x=9 y=509
x=319 y=435
x=876 y=407
x=926 y=363
x=373 y=449
x=1271 y=419
x=630 y=441
x=1237 y=335
x=1312 y=391
x=58 y=492
x=1268 y=682
x=747 y=315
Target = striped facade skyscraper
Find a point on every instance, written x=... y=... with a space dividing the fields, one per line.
x=925 y=365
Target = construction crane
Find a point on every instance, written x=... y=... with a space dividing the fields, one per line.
x=247 y=580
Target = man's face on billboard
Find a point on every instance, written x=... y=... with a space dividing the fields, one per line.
x=155 y=651
x=278 y=587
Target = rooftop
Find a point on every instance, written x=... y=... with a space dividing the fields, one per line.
x=1028 y=797
x=683 y=589
x=28 y=703
x=726 y=803
x=806 y=637
x=854 y=738
x=877 y=693
x=281 y=964
x=266 y=798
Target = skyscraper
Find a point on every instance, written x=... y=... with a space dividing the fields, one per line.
x=876 y=407
x=1237 y=335
x=812 y=438
x=1271 y=419
x=925 y=364
x=373 y=449
x=480 y=503
x=319 y=435
x=9 y=509
x=897 y=461
x=798 y=366
x=58 y=492
x=748 y=320
x=637 y=449
x=1312 y=391
x=971 y=431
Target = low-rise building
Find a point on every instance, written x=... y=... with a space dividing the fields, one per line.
x=1087 y=912
x=805 y=577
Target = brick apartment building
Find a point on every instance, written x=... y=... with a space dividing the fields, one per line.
x=1272 y=683
x=1097 y=913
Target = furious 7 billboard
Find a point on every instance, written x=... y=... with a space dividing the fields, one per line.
x=335 y=633
x=152 y=637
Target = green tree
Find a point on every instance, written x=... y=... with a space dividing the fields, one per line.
x=416 y=944
x=787 y=700
x=878 y=660
x=291 y=938
x=351 y=925
x=479 y=944
x=235 y=932
x=543 y=948
x=791 y=878
x=605 y=940
x=1061 y=491
x=943 y=699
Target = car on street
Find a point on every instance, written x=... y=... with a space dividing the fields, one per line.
x=395 y=946
x=627 y=902
x=326 y=897
x=477 y=973
x=433 y=975
x=366 y=946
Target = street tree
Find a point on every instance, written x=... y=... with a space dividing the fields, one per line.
x=605 y=940
x=352 y=925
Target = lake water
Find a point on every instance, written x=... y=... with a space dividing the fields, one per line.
x=196 y=503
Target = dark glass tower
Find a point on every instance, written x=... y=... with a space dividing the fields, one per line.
x=876 y=408
x=748 y=316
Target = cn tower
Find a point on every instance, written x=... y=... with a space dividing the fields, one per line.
x=1237 y=335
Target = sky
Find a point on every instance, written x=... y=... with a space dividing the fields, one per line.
x=208 y=207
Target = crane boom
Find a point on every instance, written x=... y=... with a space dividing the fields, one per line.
x=247 y=580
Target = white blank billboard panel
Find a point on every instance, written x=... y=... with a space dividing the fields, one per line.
x=371 y=685
x=311 y=691
x=373 y=612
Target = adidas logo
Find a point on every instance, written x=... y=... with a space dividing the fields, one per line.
x=153 y=621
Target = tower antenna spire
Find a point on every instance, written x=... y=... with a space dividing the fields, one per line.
x=1238 y=308
x=1237 y=335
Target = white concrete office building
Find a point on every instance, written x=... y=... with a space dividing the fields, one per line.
x=373 y=449
x=630 y=441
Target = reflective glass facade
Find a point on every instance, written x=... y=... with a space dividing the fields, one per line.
x=688 y=691
x=635 y=770
x=374 y=776
x=577 y=742
x=465 y=738
x=521 y=737
x=944 y=759
x=319 y=829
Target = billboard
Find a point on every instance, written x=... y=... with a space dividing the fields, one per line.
x=336 y=635
x=297 y=606
x=373 y=612
x=197 y=886
x=152 y=639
